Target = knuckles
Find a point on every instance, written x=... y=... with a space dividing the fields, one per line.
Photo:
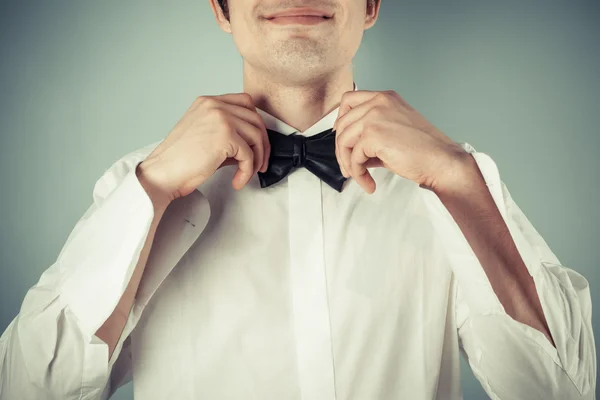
x=205 y=100
x=375 y=112
x=387 y=98
x=220 y=116
x=247 y=98
x=345 y=96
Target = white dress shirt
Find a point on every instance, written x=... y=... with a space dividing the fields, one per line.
x=293 y=292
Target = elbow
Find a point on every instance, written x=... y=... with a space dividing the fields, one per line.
x=40 y=358
x=578 y=366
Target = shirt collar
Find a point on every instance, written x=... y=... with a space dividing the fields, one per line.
x=278 y=125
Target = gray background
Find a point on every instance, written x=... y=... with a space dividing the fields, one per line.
x=84 y=82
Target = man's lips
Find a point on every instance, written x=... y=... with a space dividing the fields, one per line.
x=299 y=19
x=300 y=12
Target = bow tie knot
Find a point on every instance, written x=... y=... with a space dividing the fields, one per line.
x=299 y=156
x=315 y=153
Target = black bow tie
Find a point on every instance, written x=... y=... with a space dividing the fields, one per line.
x=316 y=153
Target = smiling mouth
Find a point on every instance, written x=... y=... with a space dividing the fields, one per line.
x=299 y=19
x=299 y=16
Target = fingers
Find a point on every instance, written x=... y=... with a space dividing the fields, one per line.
x=254 y=138
x=239 y=99
x=245 y=157
x=242 y=102
x=252 y=117
x=345 y=141
x=345 y=153
x=353 y=99
x=350 y=119
x=242 y=106
x=358 y=165
x=353 y=115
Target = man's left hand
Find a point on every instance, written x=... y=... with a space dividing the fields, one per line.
x=380 y=129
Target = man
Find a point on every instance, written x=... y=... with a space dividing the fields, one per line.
x=304 y=239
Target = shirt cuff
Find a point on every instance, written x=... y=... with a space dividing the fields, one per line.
x=99 y=260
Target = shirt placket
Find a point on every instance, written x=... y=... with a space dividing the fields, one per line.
x=309 y=287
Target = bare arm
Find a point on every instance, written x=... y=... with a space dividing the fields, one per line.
x=113 y=327
x=474 y=210
x=523 y=319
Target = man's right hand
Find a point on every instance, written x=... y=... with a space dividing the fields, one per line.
x=215 y=131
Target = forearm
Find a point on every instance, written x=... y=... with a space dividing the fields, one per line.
x=471 y=205
x=112 y=328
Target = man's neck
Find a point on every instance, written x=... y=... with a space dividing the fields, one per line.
x=299 y=106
